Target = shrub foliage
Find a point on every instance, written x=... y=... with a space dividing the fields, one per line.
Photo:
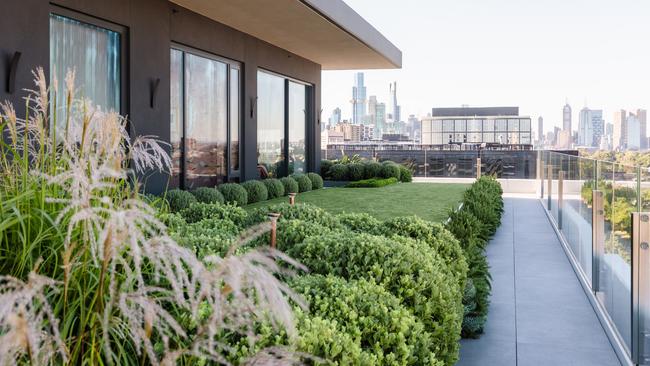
x=274 y=187
x=256 y=191
x=234 y=193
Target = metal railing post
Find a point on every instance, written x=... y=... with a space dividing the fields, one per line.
x=597 y=237
x=640 y=287
x=541 y=176
x=478 y=168
x=549 y=178
x=560 y=194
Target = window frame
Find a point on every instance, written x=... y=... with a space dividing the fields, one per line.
x=230 y=65
x=309 y=115
x=123 y=31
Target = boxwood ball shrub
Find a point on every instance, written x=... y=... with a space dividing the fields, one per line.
x=207 y=195
x=407 y=268
x=405 y=174
x=179 y=199
x=381 y=325
x=316 y=181
x=207 y=237
x=256 y=191
x=234 y=193
x=390 y=170
x=371 y=169
x=339 y=172
x=290 y=185
x=292 y=232
x=274 y=187
x=355 y=172
x=304 y=183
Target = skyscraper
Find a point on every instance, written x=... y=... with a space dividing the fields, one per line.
x=372 y=109
x=566 y=117
x=590 y=127
x=619 y=136
x=380 y=120
x=358 y=98
x=540 y=130
x=642 y=115
x=335 y=118
x=633 y=132
x=394 y=108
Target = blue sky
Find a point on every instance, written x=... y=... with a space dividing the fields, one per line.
x=532 y=54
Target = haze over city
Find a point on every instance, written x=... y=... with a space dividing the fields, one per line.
x=535 y=55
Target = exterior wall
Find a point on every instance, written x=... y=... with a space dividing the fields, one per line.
x=152 y=26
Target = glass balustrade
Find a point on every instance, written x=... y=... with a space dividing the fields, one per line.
x=592 y=204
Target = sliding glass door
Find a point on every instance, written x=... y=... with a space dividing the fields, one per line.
x=283 y=112
x=204 y=108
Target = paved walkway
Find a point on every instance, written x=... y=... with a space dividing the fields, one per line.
x=539 y=313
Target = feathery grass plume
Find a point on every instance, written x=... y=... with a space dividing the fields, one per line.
x=130 y=294
x=28 y=324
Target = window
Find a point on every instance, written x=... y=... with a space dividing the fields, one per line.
x=270 y=124
x=474 y=125
x=501 y=125
x=513 y=125
x=448 y=125
x=297 y=125
x=283 y=110
x=460 y=125
x=488 y=125
x=203 y=110
x=235 y=120
x=94 y=53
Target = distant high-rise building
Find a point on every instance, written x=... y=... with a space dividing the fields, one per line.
x=395 y=109
x=358 y=98
x=566 y=117
x=335 y=118
x=590 y=127
x=380 y=119
x=619 y=134
x=556 y=135
x=540 y=130
x=633 y=132
x=372 y=109
x=642 y=115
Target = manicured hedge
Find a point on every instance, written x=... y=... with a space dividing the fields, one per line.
x=201 y=211
x=405 y=174
x=473 y=225
x=234 y=193
x=305 y=212
x=316 y=181
x=325 y=166
x=389 y=332
x=207 y=195
x=304 y=183
x=372 y=183
x=390 y=170
x=406 y=268
x=371 y=169
x=256 y=191
x=290 y=185
x=274 y=187
x=360 y=223
x=338 y=172
x=355 y=171
x=178 y=199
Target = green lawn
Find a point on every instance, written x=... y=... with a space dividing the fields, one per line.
x=430 y=201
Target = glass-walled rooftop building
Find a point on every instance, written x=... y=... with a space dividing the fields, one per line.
x=500 y=125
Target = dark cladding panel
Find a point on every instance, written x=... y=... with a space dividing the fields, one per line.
x=475 y=111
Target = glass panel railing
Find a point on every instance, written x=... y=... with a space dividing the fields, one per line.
x=592 y=203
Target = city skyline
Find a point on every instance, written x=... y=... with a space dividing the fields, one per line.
x=572 y=60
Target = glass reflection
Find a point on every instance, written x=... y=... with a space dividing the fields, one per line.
x=297 y=124
x=270 y=125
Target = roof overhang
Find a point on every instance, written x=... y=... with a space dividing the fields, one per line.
x=327 y=32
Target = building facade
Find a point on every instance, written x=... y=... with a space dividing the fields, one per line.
x=230 y=88
x=591 y=127
x=476 y=125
